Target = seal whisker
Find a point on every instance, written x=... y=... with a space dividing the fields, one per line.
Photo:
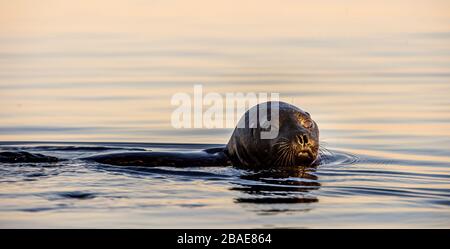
x=289 y=158
x=293 y=158
x=280 y=151
x=286 y=155
x=283 y=156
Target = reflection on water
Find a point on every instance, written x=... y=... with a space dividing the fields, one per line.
x=287 y=185
x=276 y=186
x=374 y=75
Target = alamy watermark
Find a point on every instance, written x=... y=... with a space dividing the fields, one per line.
x=215 y=110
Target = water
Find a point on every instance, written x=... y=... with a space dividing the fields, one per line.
x=374 y=76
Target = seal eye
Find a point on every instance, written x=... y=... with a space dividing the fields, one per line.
x=307 y=123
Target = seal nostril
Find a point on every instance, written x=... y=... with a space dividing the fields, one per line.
x=300 y=139
x=305 y=139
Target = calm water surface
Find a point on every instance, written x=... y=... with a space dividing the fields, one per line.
x=98 y=77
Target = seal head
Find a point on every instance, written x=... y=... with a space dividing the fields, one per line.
x=297 y=142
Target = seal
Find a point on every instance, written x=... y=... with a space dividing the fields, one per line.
x=203 y=158
x=295 y=144
x=25 y=157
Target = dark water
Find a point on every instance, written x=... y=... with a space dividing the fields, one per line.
x=346 y=190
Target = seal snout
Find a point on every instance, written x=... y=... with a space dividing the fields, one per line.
x=302 y=139
x=303 y=146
